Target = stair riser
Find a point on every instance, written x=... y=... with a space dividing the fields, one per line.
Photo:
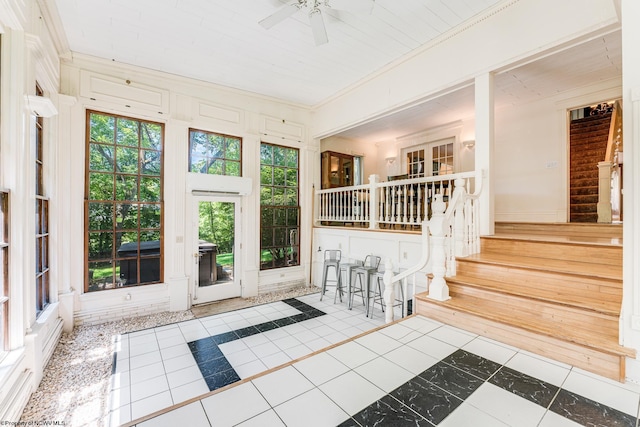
x=539 y=278
x=601 y=363
x=614 y=231
x=608 y=255
x=568 y=322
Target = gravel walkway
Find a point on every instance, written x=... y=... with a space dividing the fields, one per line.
x=75 y=385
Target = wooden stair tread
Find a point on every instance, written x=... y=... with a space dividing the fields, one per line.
x=556 y=296
x=497 y=312
x=557 y=266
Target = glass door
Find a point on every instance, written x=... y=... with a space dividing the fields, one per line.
x=215 y=253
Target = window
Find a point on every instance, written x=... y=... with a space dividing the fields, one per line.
x=279 y=210
x=442 y=159
x=214 y=153
x=4 y=273
x=439 y=154
x=42 y=219
x=415 y=163
x=124 y=203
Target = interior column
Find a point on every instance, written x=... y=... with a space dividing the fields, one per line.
x=484 y=147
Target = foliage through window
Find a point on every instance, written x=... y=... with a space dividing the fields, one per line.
x=214 y=153
x=4 y=273
x=279 y=210
x=42 y=219
x=124 y=203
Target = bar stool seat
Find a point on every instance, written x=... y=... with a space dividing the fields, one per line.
x=331 y=260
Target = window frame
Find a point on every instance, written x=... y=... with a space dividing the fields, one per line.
x=4 y=274
x=417 y=157
x=42 y=278
x=274 y=211
x=225 y=160
x=115 y=206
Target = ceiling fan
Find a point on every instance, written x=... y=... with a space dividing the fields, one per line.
x=315 y=14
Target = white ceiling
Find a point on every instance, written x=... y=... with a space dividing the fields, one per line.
x=220 y=41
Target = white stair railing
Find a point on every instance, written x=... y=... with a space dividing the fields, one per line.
x=451 y=232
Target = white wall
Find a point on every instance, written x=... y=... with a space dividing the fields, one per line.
x=27 y=57
x=484 y=46
x=531 y=155
x=403 y=249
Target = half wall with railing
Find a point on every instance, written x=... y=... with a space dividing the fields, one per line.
x=445 y=208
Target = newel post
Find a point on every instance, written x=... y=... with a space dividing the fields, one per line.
x=438 y=288
x=373 y=201
x=604 y=192
x=389 y=294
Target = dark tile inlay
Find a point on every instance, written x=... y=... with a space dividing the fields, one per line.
x=589 y=413
x=389 y=412
x=215 y=368
x=349 y=423
x=266 y=326
x=532 y=389
x=426 y=399
x=202 y=344
x=247 y=332
x=225 y=337
x=221 y=379
x=472 y=363
x=206 y=355
x=457 y=382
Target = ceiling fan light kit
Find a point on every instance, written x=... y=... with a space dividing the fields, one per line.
x=315 y=14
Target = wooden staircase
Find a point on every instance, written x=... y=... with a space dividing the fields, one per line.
x=552 y=289
x=588 y=146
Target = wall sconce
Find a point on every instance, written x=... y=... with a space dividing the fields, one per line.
x=390 y=160
x=469 y=143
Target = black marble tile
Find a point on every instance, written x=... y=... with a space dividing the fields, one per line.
x=247 y=332
x=207 y=354
x=225 y=337
x=285 y=321
x=588 y=412
x=201 y=344
x=532 y=389
x=214 y=366
x=301 y=317
x=221 y=379
x=349 y=423
x=457 y=382
x=266 y=326
x=389 y=412
x=432 y=402
x=295 y=303
x=472 y=363
x=315 y=312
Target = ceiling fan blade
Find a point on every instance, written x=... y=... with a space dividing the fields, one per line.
x=317 y=27
x=355 y=6
x=280 y=15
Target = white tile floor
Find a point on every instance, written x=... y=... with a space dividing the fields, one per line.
x=155 y=368
x=154 y=371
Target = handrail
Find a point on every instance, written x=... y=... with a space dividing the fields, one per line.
x=389 y=279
